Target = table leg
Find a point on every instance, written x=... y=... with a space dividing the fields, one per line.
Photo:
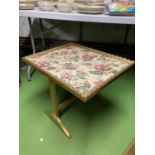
x=29 y=73
x=66 y=103
x=33 y=48
x=55 y=114
x=31 y=36
x=42 y=30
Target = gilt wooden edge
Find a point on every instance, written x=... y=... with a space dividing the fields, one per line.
x=69 y=87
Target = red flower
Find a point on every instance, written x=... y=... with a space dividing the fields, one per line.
x=102 y=67
x=64 y=52
x=43 y=64
x=66 y=76
x=82 y=72
x=70 y=66
x=87 y=57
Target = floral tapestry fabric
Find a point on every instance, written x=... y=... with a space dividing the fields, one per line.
x=80 y=68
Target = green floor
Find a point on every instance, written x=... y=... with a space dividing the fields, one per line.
x=96 y=130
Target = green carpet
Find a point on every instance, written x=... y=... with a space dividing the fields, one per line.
x=95 y=129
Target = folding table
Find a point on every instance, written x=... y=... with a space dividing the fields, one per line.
x=80 y=70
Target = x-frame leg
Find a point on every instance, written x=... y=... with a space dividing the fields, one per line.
x=57 y=108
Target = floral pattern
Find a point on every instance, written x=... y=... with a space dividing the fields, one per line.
x=82 y=69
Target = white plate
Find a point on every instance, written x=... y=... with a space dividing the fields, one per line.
x=92 y=4
x=94 y=1
x=90 y=7
x=90 y=11
x=46 y=5
x=26 y=6
x=63 y=7
x=27 y=1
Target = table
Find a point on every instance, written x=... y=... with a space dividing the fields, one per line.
x=80 y=70
x=79 y=17
x=74 y=16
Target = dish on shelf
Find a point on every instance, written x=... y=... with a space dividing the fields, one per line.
x=90 y=9
x=79 y=1
x=27 y=6
x=94 y=1
x=94 y=4
x=76 y=5
x=45 y=5
x=64 y=7
x=28 y=2
x=121 y=9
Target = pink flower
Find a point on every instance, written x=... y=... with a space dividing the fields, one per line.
x=34 y=61
x=87 y=57
x=102 y=67
x=66 y=76
x=43 y=64
x=70 y=66
x=83 y=73
x=64 y=52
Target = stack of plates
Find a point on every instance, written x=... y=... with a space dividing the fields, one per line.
x=27 y=4
x=76 y=5
x=79 y=1
x=46 y=5
x=90 y=9
x=94 y=2
x=64 y=7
